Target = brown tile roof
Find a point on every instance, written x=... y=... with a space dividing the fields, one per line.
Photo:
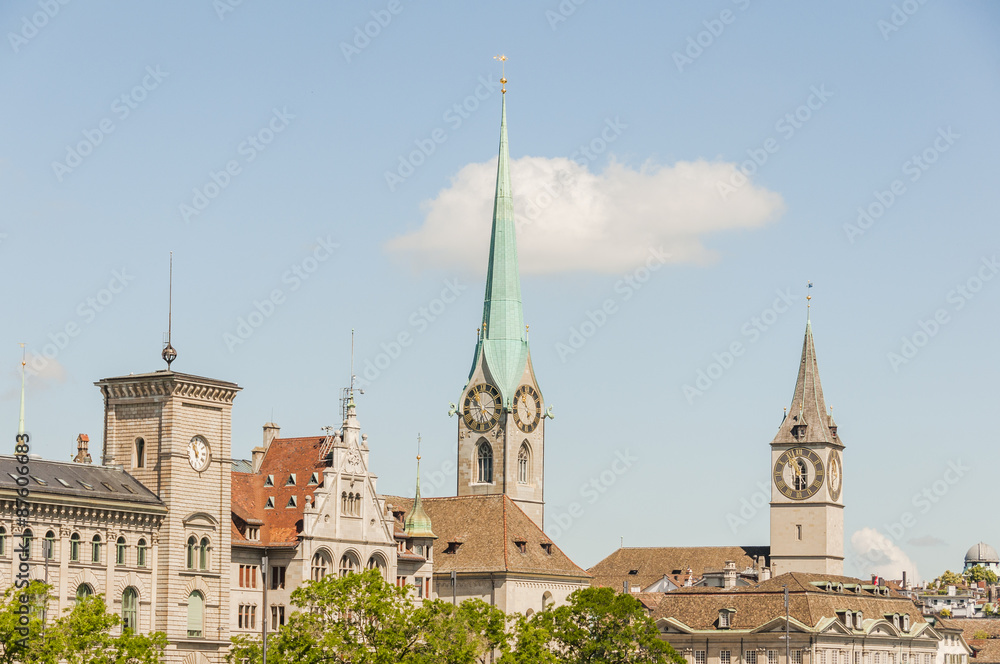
x=756 y=605
x=489 y=528
x=281 y=524
x=970 y=626
x=653 y=563
x=985 y=650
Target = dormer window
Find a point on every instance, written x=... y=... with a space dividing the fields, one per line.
x=291 y=502
x=269 y=505
x=269 y=480
x=726 y=618
x=253 y=533
x=906 y=622
x=314 y=479
x=859 y=618
x=291 y=480
x=452 y=547
x=847 y=618
x=633 y=572
x=799 y=431
x=521 y=545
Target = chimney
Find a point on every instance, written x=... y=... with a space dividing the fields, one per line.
x=951 y=591
x=904 y=580
x=765 y=573
x=82 y=453
x=271 y=431
x=729 y=574
x=690 y=578
x=257 y=458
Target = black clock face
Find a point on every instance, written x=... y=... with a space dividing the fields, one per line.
x=836 y=472
x=482 y=407
x=527 y=408
x=799 y=473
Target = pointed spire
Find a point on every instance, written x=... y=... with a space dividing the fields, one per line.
x=417 y=523
x=20 y=419
x=503 y=334
x=808 y=405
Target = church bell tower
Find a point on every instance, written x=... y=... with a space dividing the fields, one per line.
x=807 y=507
x=501 y=426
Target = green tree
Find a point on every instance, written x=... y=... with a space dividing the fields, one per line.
x=463 y=634
x=980 y=573
x=83 y=636
x=597 y=625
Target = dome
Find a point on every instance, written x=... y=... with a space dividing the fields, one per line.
x=982 y=553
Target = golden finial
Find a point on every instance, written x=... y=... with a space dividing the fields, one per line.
x=503 y=71
x=418 y=447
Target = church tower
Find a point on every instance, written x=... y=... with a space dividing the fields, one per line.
x=501 y=428
x=807 y=508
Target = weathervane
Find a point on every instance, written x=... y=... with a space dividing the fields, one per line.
x=169 y=354
x=503 y=71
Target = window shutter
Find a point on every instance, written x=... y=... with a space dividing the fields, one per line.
x=195 y=609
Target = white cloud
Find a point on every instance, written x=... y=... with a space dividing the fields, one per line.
x=877 y=554
x=42 y=373
x=569 y=219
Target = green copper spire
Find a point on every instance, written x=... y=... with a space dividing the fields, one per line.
x=417 y=523
x=503 y=337
x=20 y=419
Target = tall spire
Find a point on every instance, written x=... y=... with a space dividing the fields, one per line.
x=503 y=338
x=417 y=523
x=808 y=406
x=20 y=419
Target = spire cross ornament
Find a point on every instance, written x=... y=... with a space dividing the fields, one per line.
x=169 y=354
x=503 y=72
x=809 y=297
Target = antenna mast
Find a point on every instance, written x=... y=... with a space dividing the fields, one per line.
x=169 y=354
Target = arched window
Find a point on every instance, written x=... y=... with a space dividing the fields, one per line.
x=120 y=551
x=546 y=599
x=523 y=460
x=140 y=553
x=203 y=554
x=49 y=545
x=130 y=609
x=485 y=462
x=320 y=565
x=377 y=562
x=348 y=564
x=74 y=547
x=26 y=539
x=3 y=540
x=83 y=590
x=196 y=611
x=95 y=549
x=343 y=503
x=191 y=546
x=140 y=453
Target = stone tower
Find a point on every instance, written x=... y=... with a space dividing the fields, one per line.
x=172 y=432
x=807 y=508
x=501 y=427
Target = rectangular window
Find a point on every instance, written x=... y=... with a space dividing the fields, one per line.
x=277 y=616
x=277 y=578
x=796 y=657
x=750 y=656
x=878 y=657
x=96 y=551
x=821 y=657
x=74 y=550
x=248 y=576
x=418 y=584
x=798 y=532
x=772 y=657
x=724 y=657
x=120 y=553
x=699 y=657
x=857 y=657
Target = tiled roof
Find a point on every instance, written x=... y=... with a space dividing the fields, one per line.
x=985 y=650
x=281 y=524
x=808 y=406
x=242 y=466
x=756 y=605
x=971 y=626
x=80 y=480
x=653 y=563
x=489 y=529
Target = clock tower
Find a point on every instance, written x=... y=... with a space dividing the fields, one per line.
x=501 y=426
x=807 y=508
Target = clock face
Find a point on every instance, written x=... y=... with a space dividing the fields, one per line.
x=482 y=407
x=198 y=453
x=527 y=408
x=836 y=472
x=799 y=473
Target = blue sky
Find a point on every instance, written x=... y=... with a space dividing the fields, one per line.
x=255 y=144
